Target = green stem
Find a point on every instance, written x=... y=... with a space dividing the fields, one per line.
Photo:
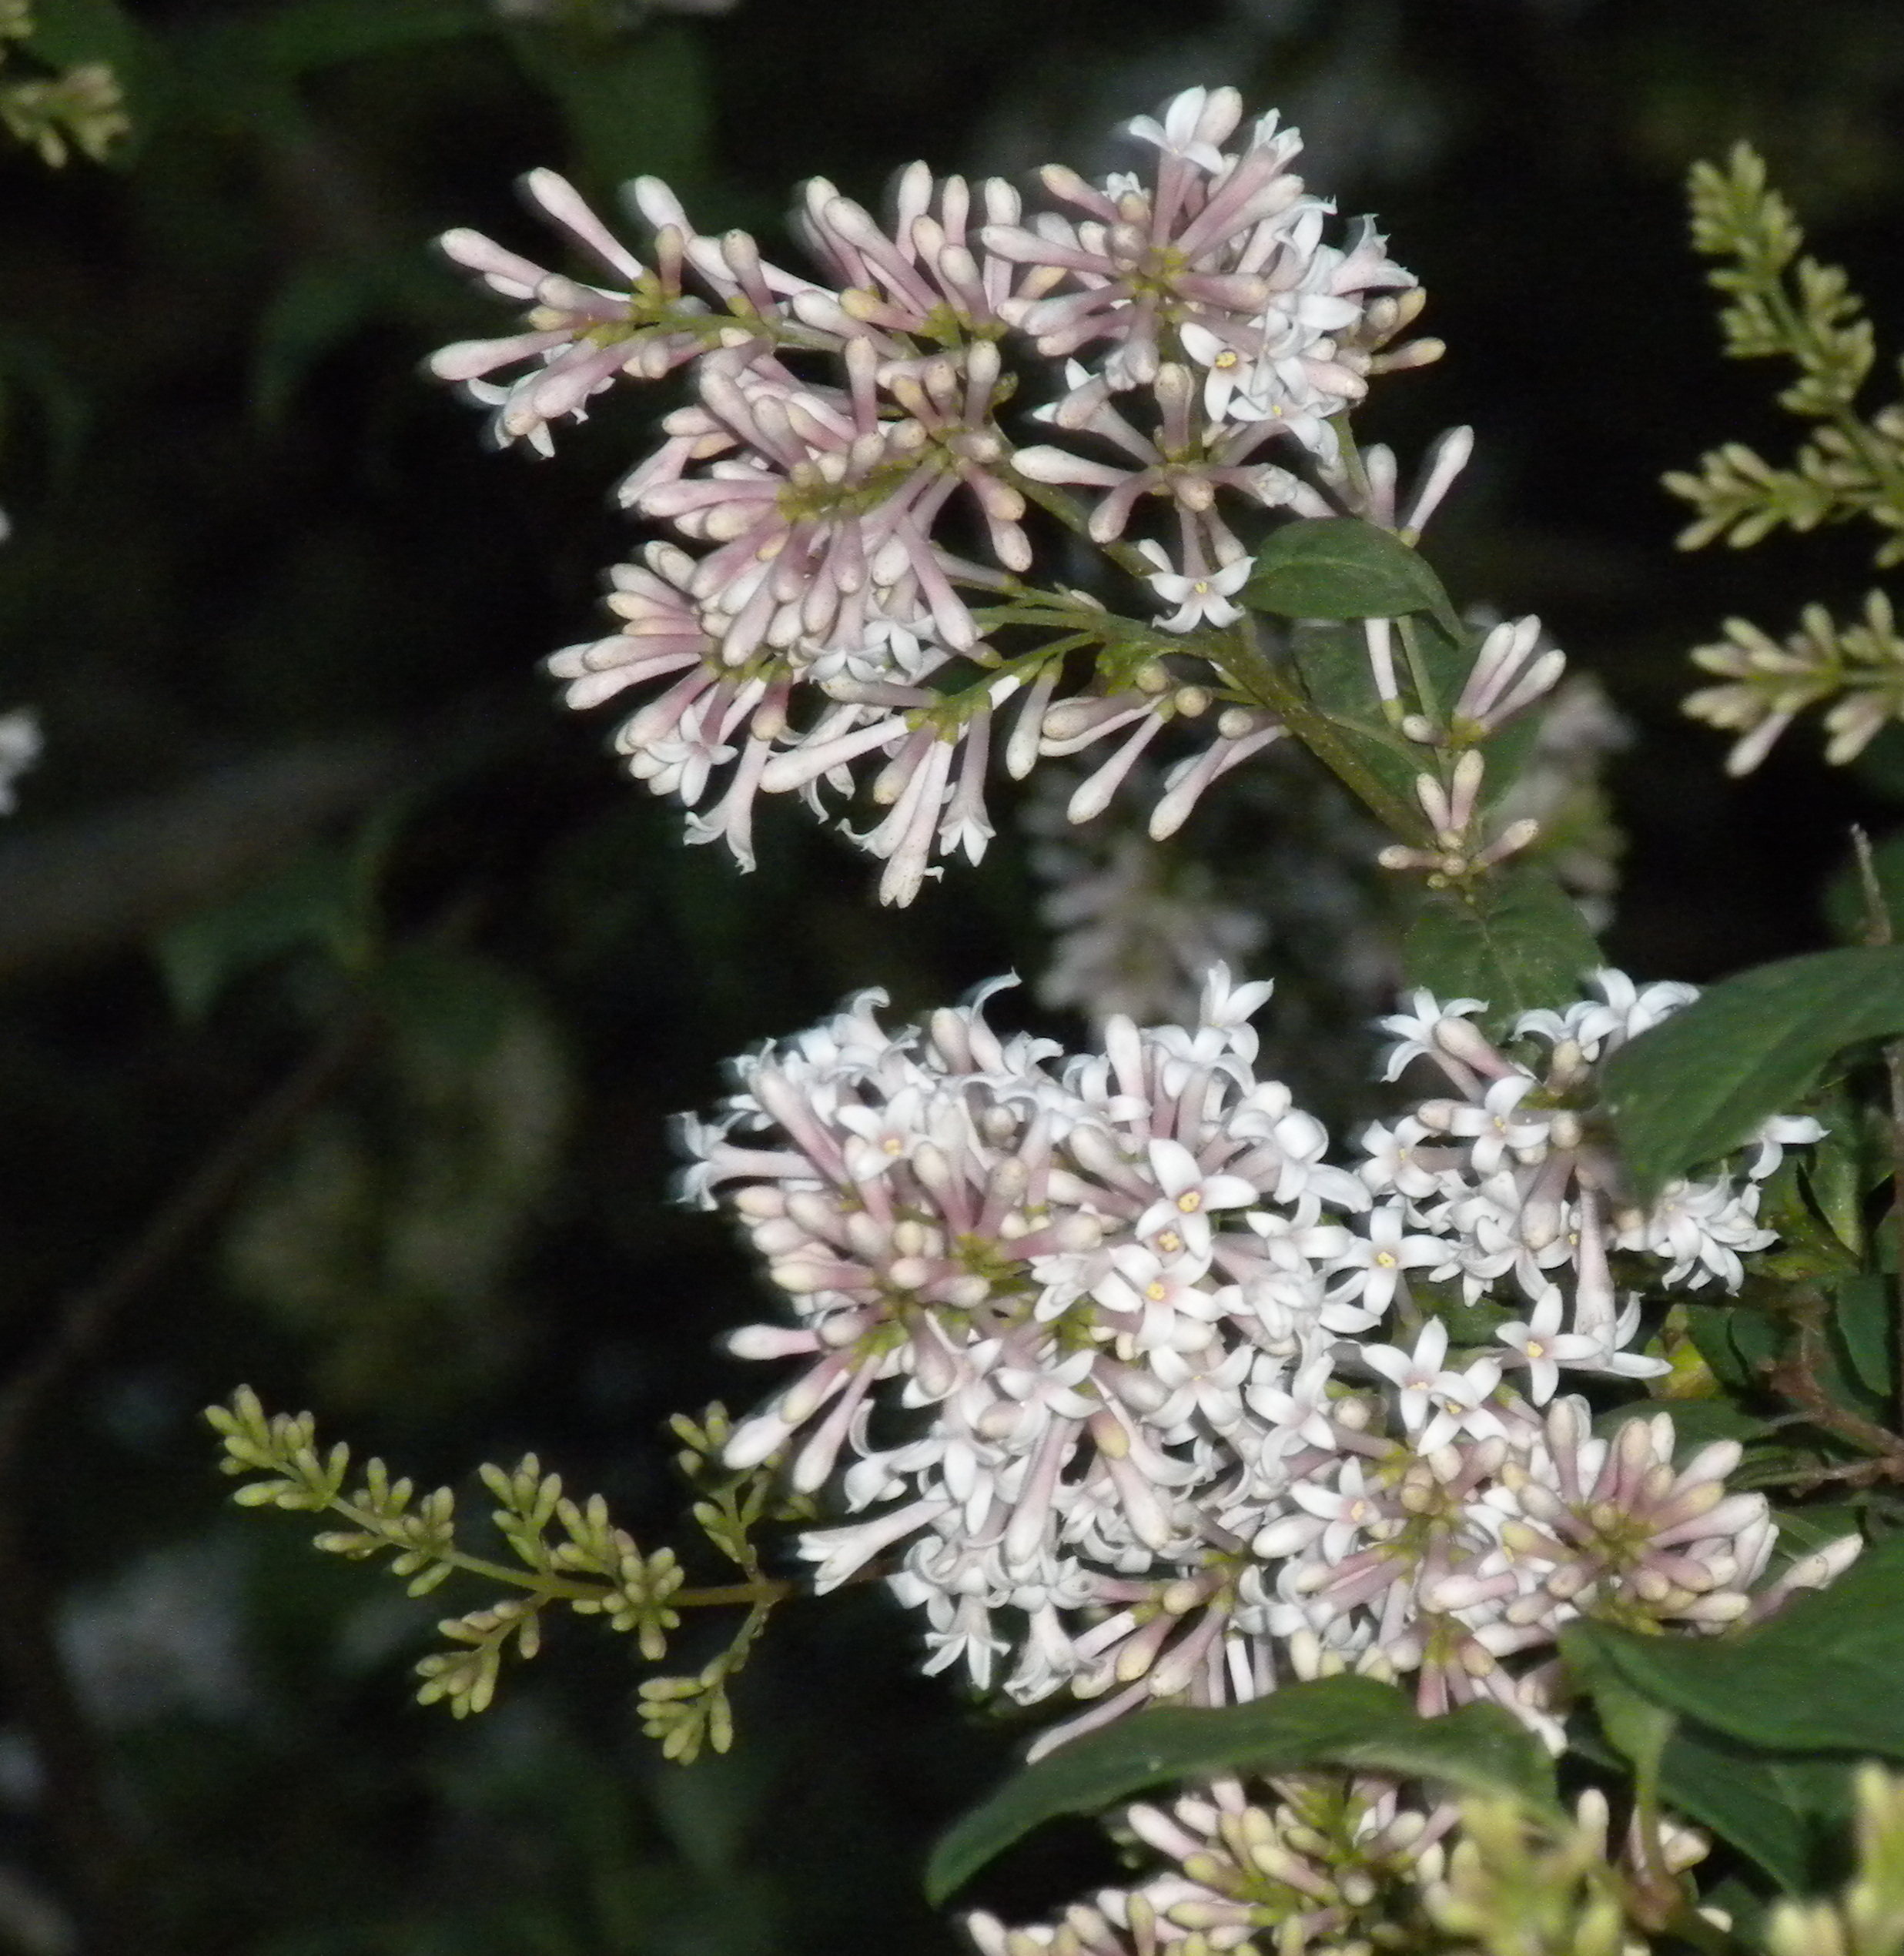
x=1884 y=468
x=1075 y=518
x=551 y=1587
x=1238 y=653
x=1425 y=694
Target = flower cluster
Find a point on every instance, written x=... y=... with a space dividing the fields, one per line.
x=1329 y=1861
x=847 y=581
x=1307 y=1859
x=1137 y=1396
x=1860 y=666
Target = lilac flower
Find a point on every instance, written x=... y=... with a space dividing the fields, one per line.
x=579 y=338
x=1201 y=598
x=1220 y=259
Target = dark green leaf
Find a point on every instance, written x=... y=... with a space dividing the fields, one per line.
x=1342 y=567
x=1710 y=1328
x=1821 y=1676
x=633 y=104
x=1864 y=1327
x=1332 y=661
x=1843 y=1166
x=1787 y=1811
x=33 y=369
x=1695 y=1423
x=313 y=313
x=1800 y=1530
x=1344 y=1722
x=1519 y=942
x=1638 y=1727
x=1846 y=906
x=314 y=902
x=305 y=35
x=67 y=33
x=1703 y=1083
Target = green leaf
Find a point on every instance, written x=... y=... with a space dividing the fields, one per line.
x=1698 y=1086
x=321 y=304
x=1787 y=1811
x=1351 y=1722
x=633 y=103
x=306 y=34
x=1844 y=901
x=1333 y=661
x=1342 y=567
x=67 y=33
x=314 y=902
x=1696 y=1423
x=1710 y=1327
x=1518 y=942
x=1638 y=1726
x=1864 y=1327
x=1821 y=1676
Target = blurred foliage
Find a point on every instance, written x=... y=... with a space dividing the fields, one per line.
x=277 y=614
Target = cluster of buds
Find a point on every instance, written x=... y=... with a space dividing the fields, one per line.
x=1860 y=666
x=848 y=582
x=1334 y=1862
x=1137 y=1396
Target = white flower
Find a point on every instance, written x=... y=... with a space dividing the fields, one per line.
x=1201 y=598
x=1371 y=1266
x=1194 y=123
x=1190 y=1193
x=1544 y=1348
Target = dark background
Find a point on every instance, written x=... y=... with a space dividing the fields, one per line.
x=279 y=612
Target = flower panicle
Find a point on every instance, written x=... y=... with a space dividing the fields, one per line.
x=846 y=521
x=1133 y=1394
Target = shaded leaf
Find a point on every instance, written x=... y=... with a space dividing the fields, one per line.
x=67 y=33
x=1696 y=1423
x=1802 y=1530
x=633 y=103
x=1821 y=1676
x=1864 y=1329
x=1332 y=661
x=1518 y=943
x=315 y=902
x=317 y=309
x=1342 y=567
x=1351 y=1722
x=1787 y=1811
x=1698 y=1086
x=1844 y=902
x=305 y=35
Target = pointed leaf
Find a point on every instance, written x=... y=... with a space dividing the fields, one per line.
x=1787 y=1811
x=1821 y=1676
x=1519 y=941
x=1351 y=1722
x=1342 y=567
x=314 y=900
x=1704 y=1082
